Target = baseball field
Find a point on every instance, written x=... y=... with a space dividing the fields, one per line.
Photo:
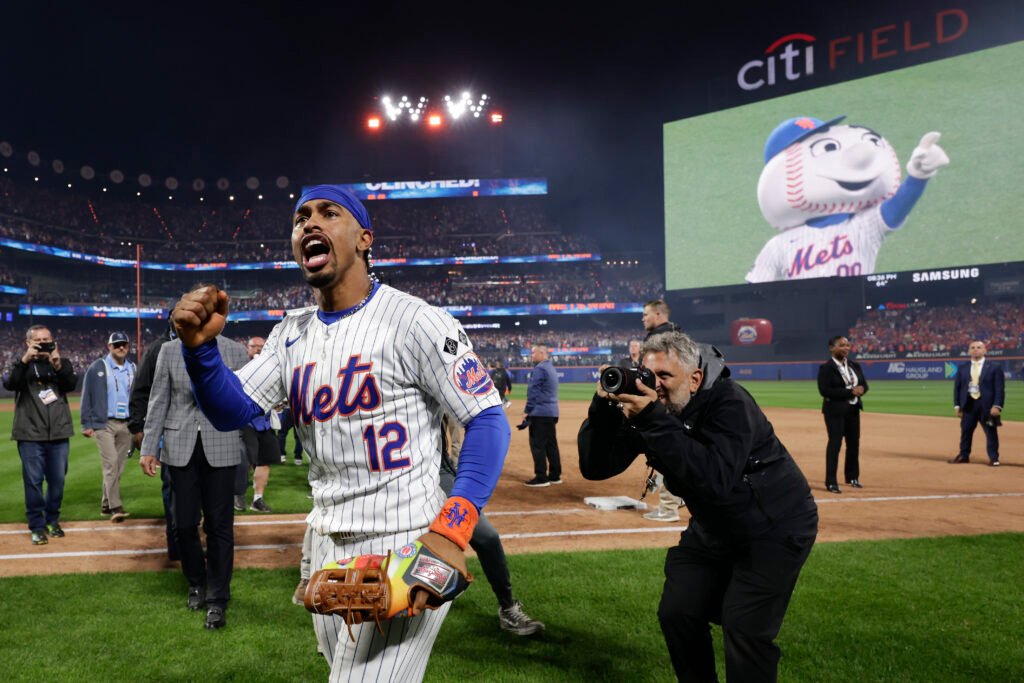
x=917 y=577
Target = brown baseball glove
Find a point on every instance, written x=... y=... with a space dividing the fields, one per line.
x=378 y=587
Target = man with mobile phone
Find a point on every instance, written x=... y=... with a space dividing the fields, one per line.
x=41 y=380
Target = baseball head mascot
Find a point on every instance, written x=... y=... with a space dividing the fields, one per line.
x=834 y=192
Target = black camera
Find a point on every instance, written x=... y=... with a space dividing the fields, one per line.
x=617 y=380
x=46 y=347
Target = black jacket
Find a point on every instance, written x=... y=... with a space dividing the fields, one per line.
x=34 y=420
x=832 y=387
x=138 y=404
x=664 y=327
x=721 y=455
x=502 y=382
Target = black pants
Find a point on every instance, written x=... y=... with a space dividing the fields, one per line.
x=260 y=449
x=973 y=413
x=547 y=463
x=287 y=423
x=198 y=486
x=487 y=545
x=839 y=427
x=745 y=589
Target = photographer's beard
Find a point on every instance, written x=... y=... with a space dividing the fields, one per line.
x=676 y=401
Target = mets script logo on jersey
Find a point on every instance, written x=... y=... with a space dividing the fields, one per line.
x=328 y=401
x=471 y=376
x=810 y=258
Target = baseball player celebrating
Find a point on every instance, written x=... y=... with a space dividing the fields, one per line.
x=835 y=193
x=367 y=373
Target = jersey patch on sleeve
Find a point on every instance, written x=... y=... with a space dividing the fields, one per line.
x=451 y=346
x=471 y=376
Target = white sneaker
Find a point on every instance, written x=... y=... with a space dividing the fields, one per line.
x=658 y=515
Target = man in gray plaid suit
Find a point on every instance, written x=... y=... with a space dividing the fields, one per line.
x=202 y=463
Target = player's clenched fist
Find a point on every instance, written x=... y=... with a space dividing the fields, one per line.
x=199 y=316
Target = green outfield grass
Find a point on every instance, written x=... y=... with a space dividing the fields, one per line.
x=941 y=609
x=287 y=489
x=906 y=397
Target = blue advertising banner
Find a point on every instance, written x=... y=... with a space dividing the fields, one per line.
x=461 y=187
x=91 y=311
x=9 y=289
x=289 y=265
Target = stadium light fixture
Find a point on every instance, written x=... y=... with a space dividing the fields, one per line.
x=434 y=120
x=373 y=123
x=497 y=118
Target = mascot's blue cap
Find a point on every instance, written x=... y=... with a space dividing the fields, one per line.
x=794 y=130
x=340 y=196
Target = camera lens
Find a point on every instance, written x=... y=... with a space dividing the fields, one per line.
x=612 y=380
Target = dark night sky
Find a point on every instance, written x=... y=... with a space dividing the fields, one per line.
x=204 y=90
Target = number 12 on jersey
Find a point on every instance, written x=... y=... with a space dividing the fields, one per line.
x=392 y=437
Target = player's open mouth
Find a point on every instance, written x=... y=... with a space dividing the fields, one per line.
x=853 y=187
x=316 y=251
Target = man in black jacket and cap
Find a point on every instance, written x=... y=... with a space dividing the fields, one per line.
x=753 y=518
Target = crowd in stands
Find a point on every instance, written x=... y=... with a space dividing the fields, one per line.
x=508 y=345
x=560 y=283
x=81 y=347
x=188 y=231
x=940 y=329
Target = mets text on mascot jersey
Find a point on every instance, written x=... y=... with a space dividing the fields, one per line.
x=835 y=193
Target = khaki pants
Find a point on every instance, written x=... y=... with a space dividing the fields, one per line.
x=115 y=443
x=667 y=503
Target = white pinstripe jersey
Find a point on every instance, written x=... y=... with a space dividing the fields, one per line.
x=847 y=248
x=366 y=393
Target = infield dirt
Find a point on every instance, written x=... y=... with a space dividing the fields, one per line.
x=910 y=491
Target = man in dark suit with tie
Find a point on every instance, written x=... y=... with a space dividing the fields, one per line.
x=842 y=384
x=978 y=396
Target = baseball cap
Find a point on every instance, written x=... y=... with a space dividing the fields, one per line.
x=794 y=130
x=339 y=195
x=118 y=338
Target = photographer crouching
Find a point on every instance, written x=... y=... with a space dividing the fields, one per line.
x=753 y=518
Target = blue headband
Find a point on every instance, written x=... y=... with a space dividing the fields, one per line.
x=340 y=196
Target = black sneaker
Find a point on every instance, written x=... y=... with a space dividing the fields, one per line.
x=514 y=620
x=239 y=504
x=215 y=618
x=555 y=481
x=105 y=511
x=39 y=537
x=537 y=482
x=54 y=530
x=259 y=505
x=196 y=598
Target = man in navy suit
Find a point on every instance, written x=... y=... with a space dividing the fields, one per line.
x=841 y=384
x=978 y=395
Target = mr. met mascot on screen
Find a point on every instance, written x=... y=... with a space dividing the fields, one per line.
x=834 y=192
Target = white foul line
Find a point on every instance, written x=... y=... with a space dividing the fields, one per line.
x=949 y=496
x=144 y=551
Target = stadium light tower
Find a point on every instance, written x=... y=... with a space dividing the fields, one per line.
x=373 y=123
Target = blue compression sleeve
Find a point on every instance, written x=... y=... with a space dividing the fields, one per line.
x=896 y=209
x=217 y=390
x=482 y=456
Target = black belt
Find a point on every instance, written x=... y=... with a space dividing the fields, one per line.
x=118 y=419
